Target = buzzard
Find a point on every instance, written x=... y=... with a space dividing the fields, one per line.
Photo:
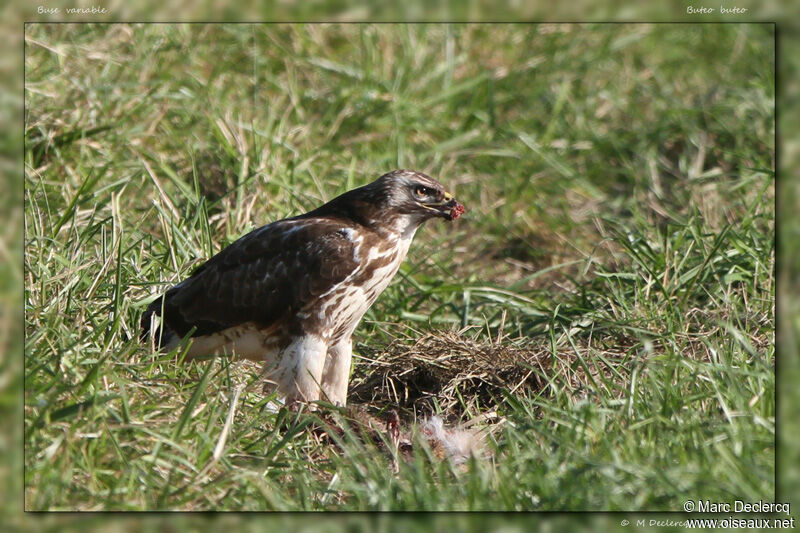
x=291 y=293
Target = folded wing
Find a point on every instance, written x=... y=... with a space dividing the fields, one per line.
x=262 y=278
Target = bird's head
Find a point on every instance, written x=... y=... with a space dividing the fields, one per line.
x=413 y=193
x=399 y=201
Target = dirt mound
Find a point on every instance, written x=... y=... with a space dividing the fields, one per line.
x=449 y=371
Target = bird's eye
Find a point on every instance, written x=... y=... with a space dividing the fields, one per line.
x=420 y=191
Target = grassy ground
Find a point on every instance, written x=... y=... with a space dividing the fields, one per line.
x=617 y=260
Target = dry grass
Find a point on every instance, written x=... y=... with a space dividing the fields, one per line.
x=461 y=376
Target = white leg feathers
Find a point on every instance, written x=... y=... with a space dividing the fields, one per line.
x=336 y=373
x=297 y=371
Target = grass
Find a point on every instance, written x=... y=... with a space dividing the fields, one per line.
x=619 y=243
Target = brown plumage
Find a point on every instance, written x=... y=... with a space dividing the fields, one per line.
x=291 y=293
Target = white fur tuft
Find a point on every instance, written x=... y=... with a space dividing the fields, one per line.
x=458 y=444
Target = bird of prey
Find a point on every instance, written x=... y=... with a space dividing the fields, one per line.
x=291 y=293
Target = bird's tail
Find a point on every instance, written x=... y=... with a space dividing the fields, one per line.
x=148 y=328
x=162 y=334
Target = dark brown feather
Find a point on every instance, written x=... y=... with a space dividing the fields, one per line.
x=265 y=276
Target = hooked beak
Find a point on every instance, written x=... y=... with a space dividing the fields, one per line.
x=449 y=208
